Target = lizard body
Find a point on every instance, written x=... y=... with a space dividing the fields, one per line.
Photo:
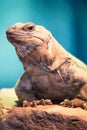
x=50 y=71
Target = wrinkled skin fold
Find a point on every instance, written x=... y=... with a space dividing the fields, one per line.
x=50 y=71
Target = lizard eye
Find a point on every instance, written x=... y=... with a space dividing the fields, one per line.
x=29 y=27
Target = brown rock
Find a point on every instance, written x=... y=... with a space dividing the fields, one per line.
x=48 y=117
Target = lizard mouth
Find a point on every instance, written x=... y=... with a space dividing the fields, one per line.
x=22 y=38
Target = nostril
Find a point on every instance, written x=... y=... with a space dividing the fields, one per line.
x=11 y=29
x=8 y=33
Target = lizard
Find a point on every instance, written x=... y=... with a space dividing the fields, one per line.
x=50 y=71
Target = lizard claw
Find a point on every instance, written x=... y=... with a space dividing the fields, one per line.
x=34 y=103
x=74 y=103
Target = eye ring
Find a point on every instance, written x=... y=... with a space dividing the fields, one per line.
x=29 y=27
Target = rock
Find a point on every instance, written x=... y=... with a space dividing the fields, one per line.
x=49 y=117
x=46 y=118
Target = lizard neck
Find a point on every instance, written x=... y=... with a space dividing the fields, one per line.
x=59 y=53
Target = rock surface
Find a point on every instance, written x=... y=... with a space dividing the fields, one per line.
x=46 y=118
x=49 y=117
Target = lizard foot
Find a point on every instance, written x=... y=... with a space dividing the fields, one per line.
x=34 y=103
x=74 y=103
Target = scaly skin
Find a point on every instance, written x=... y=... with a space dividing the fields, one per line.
x=50 y=71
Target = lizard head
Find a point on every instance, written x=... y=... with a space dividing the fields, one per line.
x=32 y=39
x=28 y=34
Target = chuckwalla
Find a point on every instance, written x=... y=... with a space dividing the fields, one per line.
x=50 y=71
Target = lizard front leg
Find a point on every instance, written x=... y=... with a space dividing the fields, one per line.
x=23 y=88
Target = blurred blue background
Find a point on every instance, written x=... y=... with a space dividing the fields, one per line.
x=66 y=19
